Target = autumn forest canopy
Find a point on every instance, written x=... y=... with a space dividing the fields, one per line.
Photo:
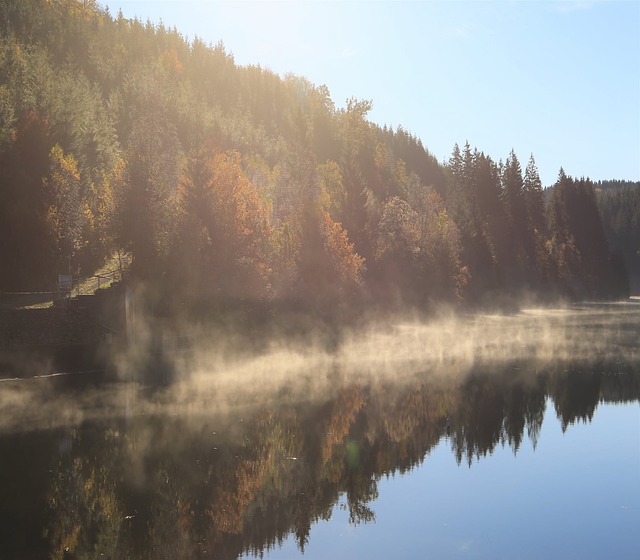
x=231 y=183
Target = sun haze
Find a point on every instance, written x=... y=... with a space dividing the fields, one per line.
x=560 y=80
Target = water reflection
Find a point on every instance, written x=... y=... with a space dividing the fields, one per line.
x=124 y=472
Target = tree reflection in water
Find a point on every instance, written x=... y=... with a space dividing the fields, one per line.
x=152 y=484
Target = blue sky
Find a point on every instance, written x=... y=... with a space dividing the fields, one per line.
x=557 y=79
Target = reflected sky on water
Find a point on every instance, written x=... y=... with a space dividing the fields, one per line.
x=576 y=495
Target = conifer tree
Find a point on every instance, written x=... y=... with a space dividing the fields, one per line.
x=533 y=197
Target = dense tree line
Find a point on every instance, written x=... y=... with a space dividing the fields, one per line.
x=619 y=203
x=232 y=182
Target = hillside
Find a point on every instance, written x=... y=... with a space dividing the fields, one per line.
x=228 y=183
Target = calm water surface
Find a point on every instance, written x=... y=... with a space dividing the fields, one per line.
x=481 y=437
x=577 y=495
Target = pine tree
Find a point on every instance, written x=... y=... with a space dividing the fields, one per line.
x=533 y=197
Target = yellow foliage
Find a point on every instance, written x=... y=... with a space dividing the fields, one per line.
x=171 y=62
x=346 y=407
x=332 y=188
x=348 y=264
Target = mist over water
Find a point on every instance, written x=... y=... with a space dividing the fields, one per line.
x=238 y=448
x=215 y=377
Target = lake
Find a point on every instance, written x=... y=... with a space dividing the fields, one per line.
x=481 y=436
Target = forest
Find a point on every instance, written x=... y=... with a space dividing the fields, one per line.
x=228 y=183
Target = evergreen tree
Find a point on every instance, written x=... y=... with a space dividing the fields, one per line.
x=535 y=240
x=147 y=204
x=534 y=197
x=582 y=259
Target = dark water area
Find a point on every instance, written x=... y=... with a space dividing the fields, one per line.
x=478 y=437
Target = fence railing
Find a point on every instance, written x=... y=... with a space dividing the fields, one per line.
x=67 y=288
x=89 y=284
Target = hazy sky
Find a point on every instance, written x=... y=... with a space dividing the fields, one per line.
x=557 y=79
